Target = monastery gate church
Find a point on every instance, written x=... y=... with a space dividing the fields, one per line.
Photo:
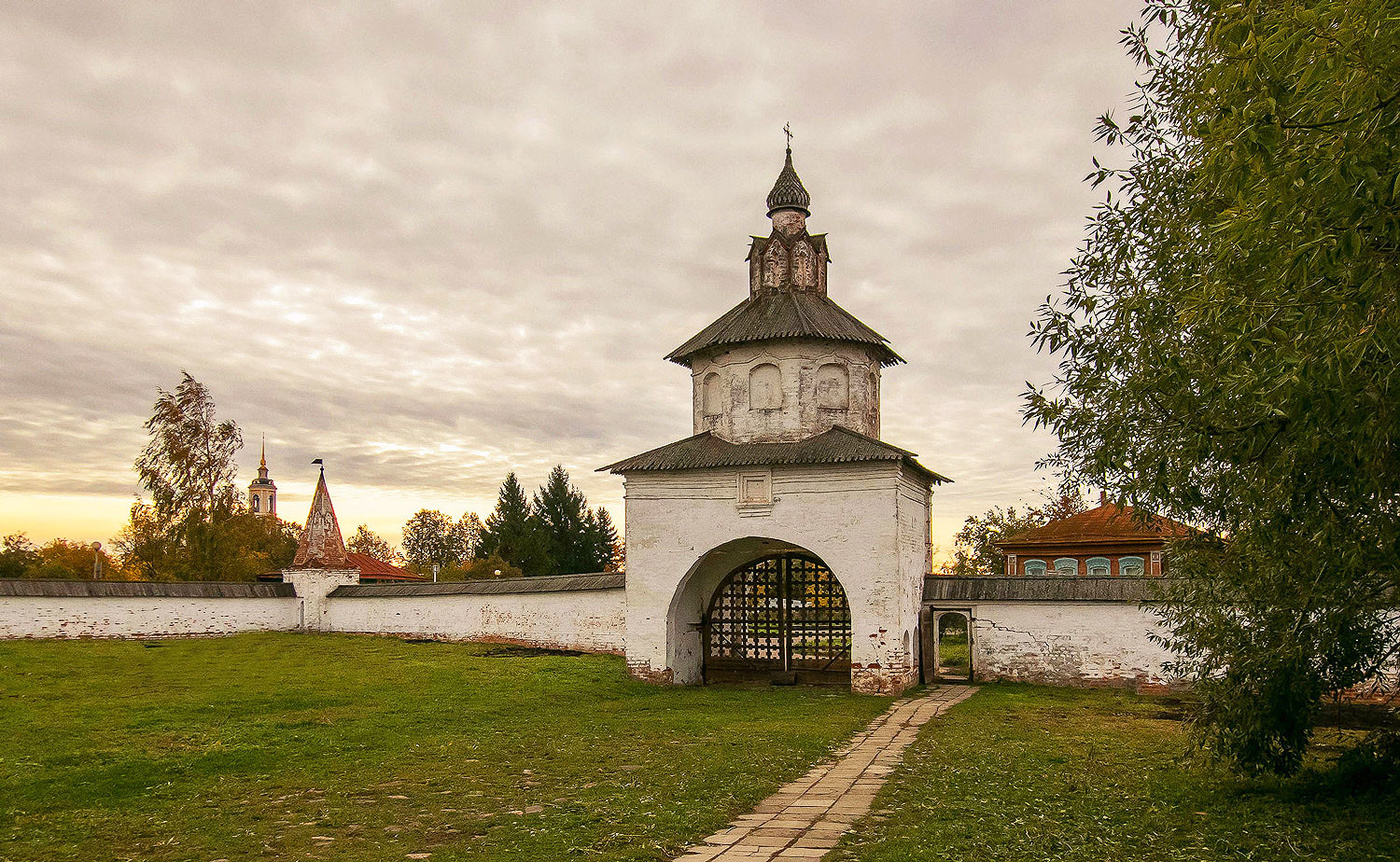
x=783 y=540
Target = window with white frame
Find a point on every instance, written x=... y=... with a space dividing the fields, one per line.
x=1067 y=567
x=1034 y=568
x=1130 y=567
x=1098 y=567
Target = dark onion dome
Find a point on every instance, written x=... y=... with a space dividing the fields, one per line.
x=788 y=192
x=705 y=451
x=784 y=315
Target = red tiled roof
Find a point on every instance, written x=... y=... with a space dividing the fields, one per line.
x=1106 y=523
x=378 y=569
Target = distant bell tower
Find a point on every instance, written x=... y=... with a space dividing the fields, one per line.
x=262 y=491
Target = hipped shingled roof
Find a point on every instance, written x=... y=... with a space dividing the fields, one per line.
x=835 y=446
x=784 y=315
x=1107 y=523
x=321 y=546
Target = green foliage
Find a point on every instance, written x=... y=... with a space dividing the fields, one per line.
x=1028 y=774
x=60 y=559
x=371 y=544
x=428 y=540
x=466 y=533
x=486 y=569
x=196 y=526
x=562 y=514
x=188 y=467
x=513 y=535
x=262 y=746
x=17 y=556
x=606 y=547
x=578 y=539
x=1230 y=348
x=975 y=552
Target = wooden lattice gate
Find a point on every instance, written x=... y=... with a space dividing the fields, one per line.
x=782 y=618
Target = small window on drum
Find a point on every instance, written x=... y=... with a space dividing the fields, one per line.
x=710 y=399
x=833 y=387
x=1034 y=568
x=1067 y=567
x=1098 y=567
x=765 y=387
x=1130 y=567
x=257 y=503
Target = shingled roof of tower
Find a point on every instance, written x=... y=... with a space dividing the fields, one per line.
x=835 y=446
x=784 y=315
x=321 y=546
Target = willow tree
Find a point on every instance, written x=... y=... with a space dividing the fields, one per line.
x=1229 y=343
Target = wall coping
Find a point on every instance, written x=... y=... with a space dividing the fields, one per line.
x=145 y=589
x=496 y=587
x=943 y=589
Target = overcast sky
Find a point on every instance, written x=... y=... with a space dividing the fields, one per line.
x=441 y=241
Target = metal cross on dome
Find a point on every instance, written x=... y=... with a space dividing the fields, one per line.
x=787 y=130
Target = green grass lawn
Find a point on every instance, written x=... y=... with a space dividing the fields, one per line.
x=280 y=746
x=1026 y=773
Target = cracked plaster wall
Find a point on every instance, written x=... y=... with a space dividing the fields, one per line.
x=1069 y=643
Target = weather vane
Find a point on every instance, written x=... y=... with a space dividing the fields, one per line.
x=787 y=130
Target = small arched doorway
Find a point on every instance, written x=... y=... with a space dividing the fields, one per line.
x=952 y=646
x=783 y=618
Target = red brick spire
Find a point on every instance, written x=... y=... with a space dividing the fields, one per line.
x=321 y=546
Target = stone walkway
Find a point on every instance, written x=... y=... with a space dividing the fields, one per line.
x=804 y=819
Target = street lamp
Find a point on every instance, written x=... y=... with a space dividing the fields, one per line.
x=97 y=561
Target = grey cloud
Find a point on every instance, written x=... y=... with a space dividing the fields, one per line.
x=440 y=241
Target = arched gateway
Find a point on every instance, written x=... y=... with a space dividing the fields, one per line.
x=782 y=618
x=785 y=444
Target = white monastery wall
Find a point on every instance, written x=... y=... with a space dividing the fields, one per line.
x=141 y=617
x=687 y=530
x=586 y=620
x=1068 y=643
x=811 y=396
x=313 y=588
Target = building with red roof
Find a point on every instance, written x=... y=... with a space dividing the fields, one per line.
x=1106 y=541
x=374 y=571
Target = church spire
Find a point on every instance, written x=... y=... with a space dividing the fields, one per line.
x=321 y=546
x=788 y=192
x=262 y=491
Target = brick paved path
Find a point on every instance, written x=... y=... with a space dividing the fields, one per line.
x=804 y=819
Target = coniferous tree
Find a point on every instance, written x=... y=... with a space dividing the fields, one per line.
x=563 y=517
x=604 y=547
x=512 y=534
